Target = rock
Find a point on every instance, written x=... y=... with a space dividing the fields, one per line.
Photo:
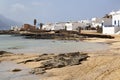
x=59 y=61
x=27 y=61
x=49 y=61
x=35 y=60
x=63 y=60
x=37 y=71
x=97 y=36
x=14 y=48
x=16 y=70
x=4 y=53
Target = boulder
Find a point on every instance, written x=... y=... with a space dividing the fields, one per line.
x=59 y=61
x=16 y=70
x=63 y=60
x=3 y=52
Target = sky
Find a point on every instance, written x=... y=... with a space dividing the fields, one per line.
x=46 y=11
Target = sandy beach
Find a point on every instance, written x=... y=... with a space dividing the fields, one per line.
x=59 y=40
x=102 y=65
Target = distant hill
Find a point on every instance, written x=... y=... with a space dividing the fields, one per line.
x=6 y=23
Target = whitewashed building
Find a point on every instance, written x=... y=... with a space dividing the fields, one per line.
x=69 y=26
x=114 y=25
x=49 y=26
x=82 y=24
x=100 y=21
x=97 y=22
x=15 y=28
x=60 y=26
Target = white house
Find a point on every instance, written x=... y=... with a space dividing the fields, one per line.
x=97 y=22
x=60 y=26
x=81 y=24
x=69 y=26
x=49 y=26
x=100 y=21
x=63 y=25
x=15 y=28
x=114 y=25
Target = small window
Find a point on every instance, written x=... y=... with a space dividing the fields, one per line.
x=115 y=22
x=118 y=23
x=102 y=24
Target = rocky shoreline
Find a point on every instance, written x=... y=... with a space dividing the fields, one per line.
x=60 y=35
x=7 y=32
x=47 y=61
x=63 y=35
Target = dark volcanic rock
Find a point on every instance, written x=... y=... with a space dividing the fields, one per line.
x=62 y=35
x=47 y=35
x=97 y=36
x=39 y=58
x=63 y=60
x=16 y=70
x=2 y=52
x=59 y=61
x=37 y=71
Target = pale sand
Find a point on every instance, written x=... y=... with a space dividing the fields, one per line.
x=104 y=65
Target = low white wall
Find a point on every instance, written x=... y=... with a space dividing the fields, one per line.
x=117 y=29
x=108 y=30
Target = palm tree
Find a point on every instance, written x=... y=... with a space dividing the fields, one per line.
x=41 y=25
x=35 y=22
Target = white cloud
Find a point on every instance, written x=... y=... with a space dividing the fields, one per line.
x=18 y=7
x=37 y=4
x=40 y=3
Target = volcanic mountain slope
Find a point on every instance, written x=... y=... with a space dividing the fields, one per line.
x=6 y=23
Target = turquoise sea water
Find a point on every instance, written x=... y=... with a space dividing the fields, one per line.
x=20 y=45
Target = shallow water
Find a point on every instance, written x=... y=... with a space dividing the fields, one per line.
x=6 y=74
x=21 y=45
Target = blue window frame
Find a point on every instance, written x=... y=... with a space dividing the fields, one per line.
x=115 y=22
